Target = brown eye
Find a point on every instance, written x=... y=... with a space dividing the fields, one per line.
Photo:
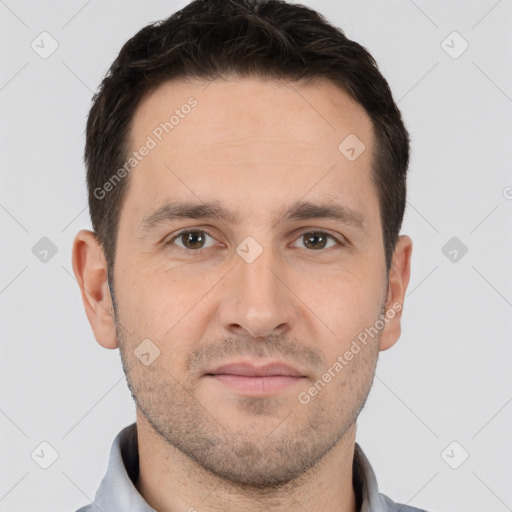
x=317 y=240
x=192 y=240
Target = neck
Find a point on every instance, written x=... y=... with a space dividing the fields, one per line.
x=170 y=481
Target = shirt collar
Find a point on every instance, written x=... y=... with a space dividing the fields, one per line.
x=117 y=490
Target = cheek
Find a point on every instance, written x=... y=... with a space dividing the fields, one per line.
x=346 y=302
x=151 y=298
x=172 y=313
x=160 y=299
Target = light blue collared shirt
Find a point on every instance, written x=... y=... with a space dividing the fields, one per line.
x=117 y=491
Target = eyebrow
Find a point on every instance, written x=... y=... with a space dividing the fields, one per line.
x=300 y=210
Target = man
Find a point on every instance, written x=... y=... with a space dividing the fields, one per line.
x=246 y=167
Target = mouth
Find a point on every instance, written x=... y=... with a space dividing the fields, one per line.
x=249 y=379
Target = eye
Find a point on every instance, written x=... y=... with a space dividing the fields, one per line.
x=317 y=240
x=192 y=240
x=195 y=240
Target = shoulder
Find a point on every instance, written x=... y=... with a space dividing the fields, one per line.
x=398 y=507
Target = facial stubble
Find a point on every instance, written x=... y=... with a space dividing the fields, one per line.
x=301 y=435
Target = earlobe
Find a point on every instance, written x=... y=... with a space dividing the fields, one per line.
x=399 y=274
x=90 y=269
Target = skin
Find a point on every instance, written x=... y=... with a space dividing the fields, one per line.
x=256 y=147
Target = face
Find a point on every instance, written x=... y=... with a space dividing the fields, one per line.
x=250 y=259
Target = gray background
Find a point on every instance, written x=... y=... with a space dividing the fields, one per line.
x=447 y=379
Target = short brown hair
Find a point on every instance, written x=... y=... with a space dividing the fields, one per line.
x=211 y=39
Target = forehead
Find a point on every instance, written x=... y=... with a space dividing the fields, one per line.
x=317 y=113
x=247 y=142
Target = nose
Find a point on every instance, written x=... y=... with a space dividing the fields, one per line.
x=257 y=300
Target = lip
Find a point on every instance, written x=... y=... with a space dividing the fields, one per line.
x=249 y=379
x=249 y=370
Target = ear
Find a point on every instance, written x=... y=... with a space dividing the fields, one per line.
x=399 y=274
x=90 y=268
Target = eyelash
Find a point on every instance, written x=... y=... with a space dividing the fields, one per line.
x=170 y=242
